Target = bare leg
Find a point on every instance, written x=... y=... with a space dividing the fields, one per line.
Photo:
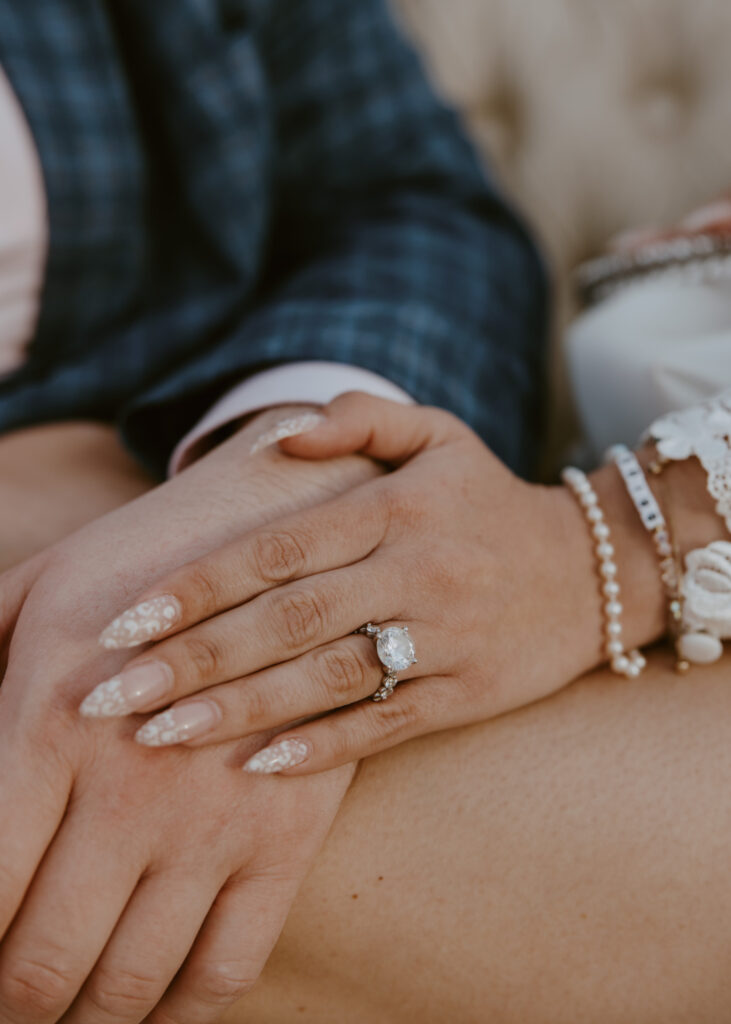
x=566 y=863
x=55 y=478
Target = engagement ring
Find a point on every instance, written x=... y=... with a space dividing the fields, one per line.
x=396 y=652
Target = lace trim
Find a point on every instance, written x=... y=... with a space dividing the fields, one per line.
x=705 y=432
x=706 y=590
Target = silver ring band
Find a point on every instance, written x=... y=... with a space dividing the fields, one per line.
x=395 y=650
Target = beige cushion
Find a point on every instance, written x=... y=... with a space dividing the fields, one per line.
x=597 y=115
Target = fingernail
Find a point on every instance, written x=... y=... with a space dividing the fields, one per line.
x=142 y=623
x=184 y=722
x=287 y=428
x=134 y=688
x=285 y=754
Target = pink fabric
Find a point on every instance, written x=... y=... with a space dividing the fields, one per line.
x=316 y=383
x=23 y=230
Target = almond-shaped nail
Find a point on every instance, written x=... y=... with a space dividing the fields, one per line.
x=134 y=688
x=181 y=723
x=290 y=427
x=285 y=754
x=142 y=623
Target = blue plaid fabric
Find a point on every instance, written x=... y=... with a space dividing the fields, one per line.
x=234 y=184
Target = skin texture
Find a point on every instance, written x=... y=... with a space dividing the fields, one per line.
x=139 y=860
x=564 y=863
x=277 y=607
x=598 y=813
x=55 y=479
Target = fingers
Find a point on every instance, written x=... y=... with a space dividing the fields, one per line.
x=148 y=947
x=329 y=677
x=384 y=430
x=276 y=627
x=33 y=797
x=66 y=918
x=231 y=951
x=415 y=708
x=15 y=586
x=288 y=549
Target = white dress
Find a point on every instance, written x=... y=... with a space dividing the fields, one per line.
x=652 y=346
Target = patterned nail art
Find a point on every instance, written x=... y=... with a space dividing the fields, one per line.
x=282 y=755
x=179 y=724
x=106 y=701
x=142 y=623
x=287 y=428
x=136 y=687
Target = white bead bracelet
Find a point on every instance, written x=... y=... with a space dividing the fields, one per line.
x=624 y=663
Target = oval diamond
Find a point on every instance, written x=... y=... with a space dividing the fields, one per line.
x=395 y=649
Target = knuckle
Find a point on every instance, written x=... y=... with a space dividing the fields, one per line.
x=260 y=708
x=402 y=507
x=119 y=993
x=205 y=655
x=278 y=556
x=342 y=672
x=396 y=718
x=301 y=617
x=35 y=989
x=221 y=983
x=202 y=584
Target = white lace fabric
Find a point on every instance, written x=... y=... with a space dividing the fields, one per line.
x=703 y=431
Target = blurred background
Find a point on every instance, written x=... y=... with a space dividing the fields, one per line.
x=597 y=115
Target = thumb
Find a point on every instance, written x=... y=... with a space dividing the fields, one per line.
x=377 y=427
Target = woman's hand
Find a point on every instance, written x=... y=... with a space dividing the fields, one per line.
x=121 y=877
x=493 y=578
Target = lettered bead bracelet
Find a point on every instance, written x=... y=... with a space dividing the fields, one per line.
x=654 y=522
x=624 y=663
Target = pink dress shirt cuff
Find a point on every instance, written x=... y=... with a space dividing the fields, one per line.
x=312 y=383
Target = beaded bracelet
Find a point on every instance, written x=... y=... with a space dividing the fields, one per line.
x=624 y=663
x=655 y=523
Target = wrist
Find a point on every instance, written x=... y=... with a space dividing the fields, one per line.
x=693 y=523
x=642 y=593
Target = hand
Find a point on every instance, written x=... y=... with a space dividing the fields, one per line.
x=476 y=563
x=57 y=477
x=117 y=872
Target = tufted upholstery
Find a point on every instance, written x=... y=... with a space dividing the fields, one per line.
x=598 y=115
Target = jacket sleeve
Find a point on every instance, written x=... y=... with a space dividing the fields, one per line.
x=388 y=247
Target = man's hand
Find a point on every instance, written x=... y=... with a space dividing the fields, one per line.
x=147 y=860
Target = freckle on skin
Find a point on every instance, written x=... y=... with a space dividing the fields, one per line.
x=380 y=878
x=354 y=896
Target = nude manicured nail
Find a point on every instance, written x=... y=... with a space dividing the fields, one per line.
x=290 y=427
x=279 y=756
x=142 y=623
x=132 y=689
x=184 y=722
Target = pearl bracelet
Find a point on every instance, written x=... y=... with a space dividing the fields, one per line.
x=624 y=663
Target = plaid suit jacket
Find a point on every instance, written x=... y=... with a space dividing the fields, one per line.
x=238 y=183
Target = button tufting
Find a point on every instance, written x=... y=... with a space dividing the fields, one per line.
x=499 y=116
